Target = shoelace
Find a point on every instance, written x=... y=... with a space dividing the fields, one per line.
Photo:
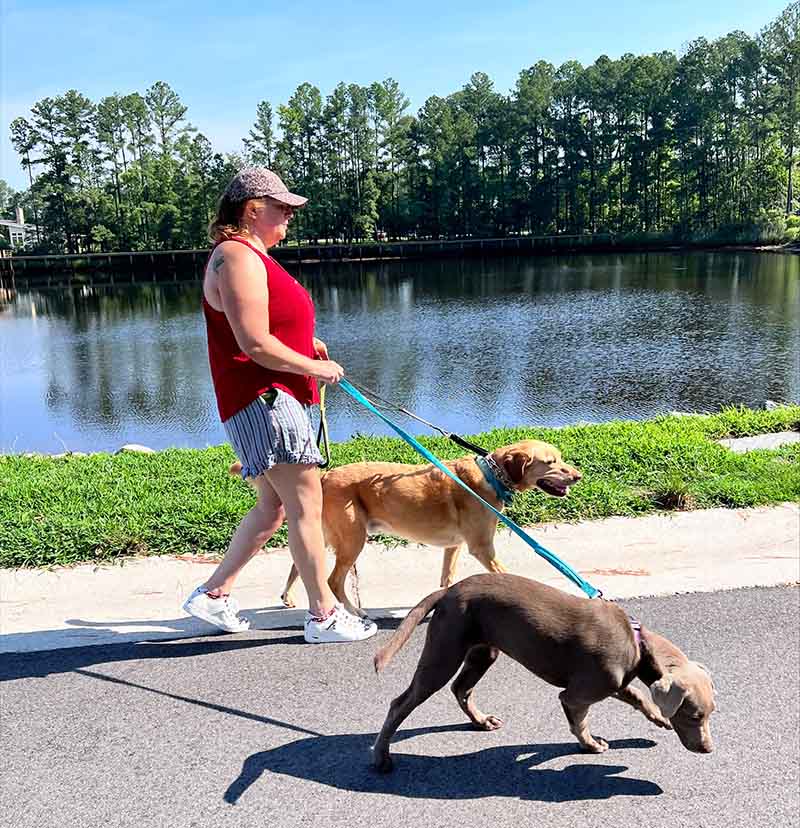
x=343 y=617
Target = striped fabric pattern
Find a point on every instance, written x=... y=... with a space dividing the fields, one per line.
x=263 y=435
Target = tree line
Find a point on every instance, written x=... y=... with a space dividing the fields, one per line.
x=700 y=145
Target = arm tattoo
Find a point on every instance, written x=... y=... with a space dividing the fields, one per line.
x=218 y=262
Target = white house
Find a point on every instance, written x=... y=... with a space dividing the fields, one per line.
x=18 y=232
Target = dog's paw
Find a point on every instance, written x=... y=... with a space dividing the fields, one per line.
x=287 y=601
x=597 y=745
x=660 y=721
x=491 y=723
x=383 y=764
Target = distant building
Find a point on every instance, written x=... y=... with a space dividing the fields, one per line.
x=19 y=233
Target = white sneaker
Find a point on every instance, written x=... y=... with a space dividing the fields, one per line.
x=339 y=626
x=221 y=612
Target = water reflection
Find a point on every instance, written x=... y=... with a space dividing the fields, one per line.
x=469 y=344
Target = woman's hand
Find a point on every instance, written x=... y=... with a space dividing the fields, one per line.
x=327 y=370
x=320 y=349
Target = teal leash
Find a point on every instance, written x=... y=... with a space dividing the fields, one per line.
x=564 y=568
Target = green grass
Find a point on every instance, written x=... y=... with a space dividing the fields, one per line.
x=57 y=511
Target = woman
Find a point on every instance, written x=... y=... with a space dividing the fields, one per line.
x=265 y=363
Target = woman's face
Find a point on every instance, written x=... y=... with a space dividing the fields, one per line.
x=269 y=219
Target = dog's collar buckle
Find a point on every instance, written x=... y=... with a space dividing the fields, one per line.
x=497 y=478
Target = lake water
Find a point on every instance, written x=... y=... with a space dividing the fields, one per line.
x=468 y=344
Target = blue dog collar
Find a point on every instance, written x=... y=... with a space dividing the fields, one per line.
x=504 y=494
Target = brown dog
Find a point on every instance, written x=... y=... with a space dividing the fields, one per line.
x=587 y=646
x=422 y=504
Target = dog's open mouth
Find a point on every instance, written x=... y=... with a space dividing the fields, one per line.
x=552 y=488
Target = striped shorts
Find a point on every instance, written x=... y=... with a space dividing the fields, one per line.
x=274 y=428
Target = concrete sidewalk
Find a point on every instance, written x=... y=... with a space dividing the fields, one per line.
x=140 y=599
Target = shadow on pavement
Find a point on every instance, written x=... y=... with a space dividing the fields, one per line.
x=36 y=664
x=509 y=770
x=41 y=664
x=220 y=708
x=84 y=632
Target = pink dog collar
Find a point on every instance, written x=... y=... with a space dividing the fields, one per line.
x=637 y=630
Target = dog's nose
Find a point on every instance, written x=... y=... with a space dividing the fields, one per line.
x=577 y=475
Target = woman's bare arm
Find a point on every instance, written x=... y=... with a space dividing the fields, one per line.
x=244 y=295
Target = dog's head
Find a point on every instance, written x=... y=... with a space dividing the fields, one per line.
x=533 y=464
x=685 y=696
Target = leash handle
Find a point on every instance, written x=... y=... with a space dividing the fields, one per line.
x=322 y=432
x=564 y=568
x=460 y=441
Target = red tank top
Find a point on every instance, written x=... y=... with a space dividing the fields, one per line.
x=237 y=379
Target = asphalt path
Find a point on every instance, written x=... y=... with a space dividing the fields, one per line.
x=261 y=729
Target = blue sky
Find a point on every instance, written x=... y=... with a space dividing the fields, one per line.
x=223 y=58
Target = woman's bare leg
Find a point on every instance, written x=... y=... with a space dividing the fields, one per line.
x=299 y=488
x=255 y=529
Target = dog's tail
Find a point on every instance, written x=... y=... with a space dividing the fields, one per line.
x=403 y=632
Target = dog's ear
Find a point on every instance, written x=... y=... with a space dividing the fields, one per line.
x=649 y=669
x=704 y=681
x=668 y=694
x=707 y=672
x=516 y=464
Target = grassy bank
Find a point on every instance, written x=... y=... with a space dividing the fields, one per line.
x=101 y=507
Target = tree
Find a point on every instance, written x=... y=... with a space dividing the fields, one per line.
x=298 y=158
x=138 y=125
x=388 y=104
x=111 y=141
x=782 y=51
x=260 y=145
x=7 y=201
x=531 y=112
x=167 y=113
x=24 y=140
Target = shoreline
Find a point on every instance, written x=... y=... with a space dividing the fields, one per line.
x=54 y=270
x=140 y=448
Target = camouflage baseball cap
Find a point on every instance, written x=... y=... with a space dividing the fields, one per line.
x=259 y=182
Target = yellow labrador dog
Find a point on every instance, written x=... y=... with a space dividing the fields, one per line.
x=422 y=504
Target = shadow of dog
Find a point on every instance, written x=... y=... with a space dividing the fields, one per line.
x=508 y=770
